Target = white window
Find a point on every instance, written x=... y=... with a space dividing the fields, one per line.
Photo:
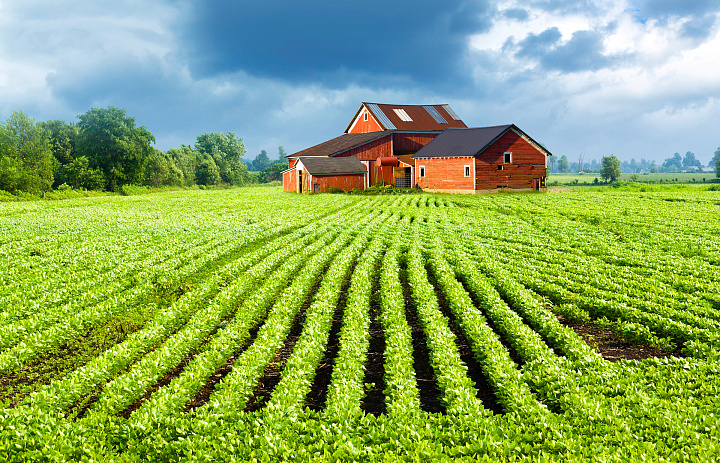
x=467 y=171
x=403 y=115
x=422 y=171
x=508 y=157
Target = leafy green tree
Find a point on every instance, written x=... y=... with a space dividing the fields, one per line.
x=261 y=161
x=63 y=138
x=207 y=172
x=563 y=164
x=610 y=169
x=690 y=161
x=673 y=164
x=79 y=174
x=227 y=150
x=227 y=145
x=26 y=160
x=272 y=173
x=111 y=141
x=162 y=171
x=716 y=159
x=186 y=160
x=281 y=154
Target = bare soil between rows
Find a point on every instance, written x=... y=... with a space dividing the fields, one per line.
x=613 y=347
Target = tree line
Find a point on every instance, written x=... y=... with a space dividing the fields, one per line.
x=676 y=163
x=105 y=150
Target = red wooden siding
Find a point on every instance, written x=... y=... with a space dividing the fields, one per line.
x=343 y=182
x=526 y=169
x=292 y=163
x=363 y=126
x=444 y=173
x=411 y=142
x=290 y=180
x=370 y=152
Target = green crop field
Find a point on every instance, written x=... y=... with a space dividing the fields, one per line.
x=259 y=325
x=665 y=177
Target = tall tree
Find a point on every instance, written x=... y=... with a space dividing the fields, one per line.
x=227 y=145
x=716 y=159
x=186 y=159
x=162 y=171
x=282 y=154
x=610 y=169
x=261 y=161
x=552 y=160
x=226 y=149
x=26 y=160
x=563 y=164
x=111 y=141
x=690 y=161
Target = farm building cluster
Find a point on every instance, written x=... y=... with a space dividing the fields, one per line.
x=421 y=146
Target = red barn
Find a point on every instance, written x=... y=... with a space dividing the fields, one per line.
x=382 y=131
x=481 y=160
x=388 y=140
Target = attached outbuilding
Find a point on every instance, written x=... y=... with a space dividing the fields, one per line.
x=318 y=174
x=481 y=160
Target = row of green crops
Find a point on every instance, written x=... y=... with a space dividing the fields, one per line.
x=247 y=324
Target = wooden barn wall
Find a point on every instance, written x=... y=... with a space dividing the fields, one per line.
x=370 y=152
x=444 y=174
x=292 y=163
x=363 y=126
x=526 y=169
x=290 y=181
x=343 y=182
x=411 y=142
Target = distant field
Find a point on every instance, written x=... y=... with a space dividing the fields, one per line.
x=702 y=177
x=257 y=325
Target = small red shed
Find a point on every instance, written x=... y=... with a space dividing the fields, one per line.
x=317 y=174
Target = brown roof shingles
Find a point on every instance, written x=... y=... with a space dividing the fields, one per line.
x=339 y=144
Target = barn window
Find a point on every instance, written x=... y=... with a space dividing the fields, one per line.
x=500 y=167
x=422 y=171
x=365 y=117
x=508 y=157
x=467 y=171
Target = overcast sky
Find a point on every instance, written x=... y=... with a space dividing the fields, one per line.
x=634 y=78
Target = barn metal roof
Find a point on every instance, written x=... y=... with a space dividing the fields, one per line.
x=423 y=118
x=339 y=144
x=316 y=165
x=465 y=143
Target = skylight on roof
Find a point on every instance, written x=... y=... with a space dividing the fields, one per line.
x=451 y=112
x=403 y=115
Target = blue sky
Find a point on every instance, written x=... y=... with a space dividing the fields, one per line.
x=630 y=78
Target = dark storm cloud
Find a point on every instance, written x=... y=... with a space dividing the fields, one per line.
x=307 y=41
x=583 y=52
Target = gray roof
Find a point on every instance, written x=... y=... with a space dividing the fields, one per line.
x=317 y=165
x=466 y=143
